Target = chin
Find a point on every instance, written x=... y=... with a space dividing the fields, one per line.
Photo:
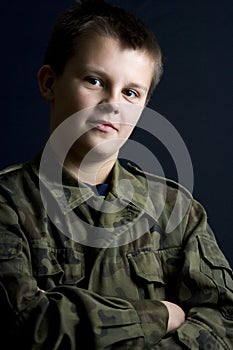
x=103 y=150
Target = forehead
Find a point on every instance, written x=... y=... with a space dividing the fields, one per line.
x=110 y=53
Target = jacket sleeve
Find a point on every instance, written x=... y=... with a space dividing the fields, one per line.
x=65 y=317
x=204 y=291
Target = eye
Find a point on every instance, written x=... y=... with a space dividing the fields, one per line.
x=94 y=81
x=130 y=93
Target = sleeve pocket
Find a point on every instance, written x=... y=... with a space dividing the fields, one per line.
x=214 y=264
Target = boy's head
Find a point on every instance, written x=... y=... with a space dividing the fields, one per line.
x=89 y=19
x=101 y=65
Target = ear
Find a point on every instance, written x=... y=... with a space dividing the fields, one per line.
x=46 y=79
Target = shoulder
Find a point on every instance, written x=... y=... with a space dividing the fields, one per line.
x=15 y=175
x=11 y=169
x=172 y=203
x=158 y=183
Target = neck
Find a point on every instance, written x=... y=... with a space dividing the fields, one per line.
x=91 y=171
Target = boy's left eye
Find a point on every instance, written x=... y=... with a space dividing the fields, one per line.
x=130 y=93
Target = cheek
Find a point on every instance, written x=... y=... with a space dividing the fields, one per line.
x=129 y=115
x=86 y=98
x=72 y=104
x=125 y=131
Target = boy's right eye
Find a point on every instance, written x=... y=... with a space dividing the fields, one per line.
x=94 y=81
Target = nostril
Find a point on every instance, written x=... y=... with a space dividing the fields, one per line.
x=109 y=108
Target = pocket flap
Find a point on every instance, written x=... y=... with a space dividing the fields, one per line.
x=147 y=265
x=65 y=262
x=10 y=247
x=212 y=254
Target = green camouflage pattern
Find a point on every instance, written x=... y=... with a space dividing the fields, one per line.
x=57 y=293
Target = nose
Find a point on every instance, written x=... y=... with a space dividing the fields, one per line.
x=109 y=107
x=110 y=103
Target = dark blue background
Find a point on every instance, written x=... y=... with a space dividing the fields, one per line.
x=195 y=93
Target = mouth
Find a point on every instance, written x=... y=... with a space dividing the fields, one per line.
x=104 y=126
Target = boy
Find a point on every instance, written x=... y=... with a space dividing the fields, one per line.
x=152 y=290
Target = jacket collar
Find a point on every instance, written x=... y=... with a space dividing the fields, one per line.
x=127 y=184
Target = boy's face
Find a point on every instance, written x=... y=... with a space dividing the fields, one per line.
x=111 y=79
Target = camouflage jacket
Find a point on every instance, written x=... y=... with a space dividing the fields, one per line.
x=92 y=273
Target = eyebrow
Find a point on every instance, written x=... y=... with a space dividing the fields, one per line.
x=99 y=71
x=138 y=86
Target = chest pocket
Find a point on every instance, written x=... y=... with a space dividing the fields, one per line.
x=147 y=273
x=147 y=265
x=10 y=253
x=56 y=266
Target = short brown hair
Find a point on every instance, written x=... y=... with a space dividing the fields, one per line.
x=100 y=18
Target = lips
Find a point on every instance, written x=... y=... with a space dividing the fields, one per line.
x=104 y=125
